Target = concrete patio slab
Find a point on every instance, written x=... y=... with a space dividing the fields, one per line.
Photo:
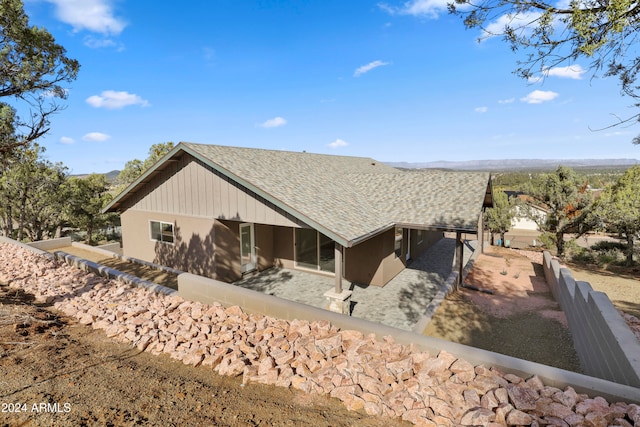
x=400 y=303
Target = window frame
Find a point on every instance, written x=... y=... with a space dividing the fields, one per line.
x=163 y=232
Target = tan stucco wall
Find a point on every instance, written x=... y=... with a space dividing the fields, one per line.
x=227 y=258
x=206 y=247
x=211 y=248
x=192 y=250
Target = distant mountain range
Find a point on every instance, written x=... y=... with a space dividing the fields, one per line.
x=111 y=176
x=490 y=165
x=515 y=164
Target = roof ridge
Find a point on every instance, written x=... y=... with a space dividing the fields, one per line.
x=235 y=147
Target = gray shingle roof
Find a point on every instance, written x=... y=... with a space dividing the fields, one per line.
x=349 y=198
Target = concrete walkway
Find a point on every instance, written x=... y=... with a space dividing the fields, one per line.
x=400 y=303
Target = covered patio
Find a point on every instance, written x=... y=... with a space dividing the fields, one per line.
x=400 y=303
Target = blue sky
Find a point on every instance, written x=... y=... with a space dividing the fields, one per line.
x=396 y=81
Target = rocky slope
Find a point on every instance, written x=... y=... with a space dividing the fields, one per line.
x=377 y=376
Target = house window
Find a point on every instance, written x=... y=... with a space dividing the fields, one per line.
x=420 y=236
x=161 y=231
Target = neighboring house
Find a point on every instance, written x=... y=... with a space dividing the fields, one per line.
x=528 y=216
x=525 y=230
x=223 y=212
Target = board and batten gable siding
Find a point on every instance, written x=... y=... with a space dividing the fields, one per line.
x=189 y=187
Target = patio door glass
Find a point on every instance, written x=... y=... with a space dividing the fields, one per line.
x=307 y=248
x=314 y=250
x=327 y=254
x=247 y=248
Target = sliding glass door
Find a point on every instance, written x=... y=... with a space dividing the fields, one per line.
x=314 y=250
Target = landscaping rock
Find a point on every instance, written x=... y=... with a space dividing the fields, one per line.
x=379 y=377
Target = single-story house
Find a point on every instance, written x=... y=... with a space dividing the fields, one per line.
x=527 y=217
x=527 y=214
x=224 y=212
x=525 y=231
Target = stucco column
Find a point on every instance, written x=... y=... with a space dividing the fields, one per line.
x=338 y=268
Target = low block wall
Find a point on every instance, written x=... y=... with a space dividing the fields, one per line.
x=103 y=250
x=110 y=273
x=51 y=244
x=605 y=344
x=198 y=288
x=111 y=247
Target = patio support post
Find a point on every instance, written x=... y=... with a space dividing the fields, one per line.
x=459 y=261
x=481 y=233
x=338 y=268
x=339 y=299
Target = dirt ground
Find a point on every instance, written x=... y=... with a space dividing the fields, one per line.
x=622 y=285
x=54 y=371
x=519 y=319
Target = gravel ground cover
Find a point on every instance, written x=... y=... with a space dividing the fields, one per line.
x=379 y=377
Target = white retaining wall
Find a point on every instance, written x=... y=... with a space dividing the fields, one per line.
x=605 y=344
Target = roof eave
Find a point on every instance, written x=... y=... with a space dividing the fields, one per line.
x=438 y=227
x=114 y=204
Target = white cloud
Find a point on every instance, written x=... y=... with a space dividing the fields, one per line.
x=92 y=15
x=569 y=72
x=574 y=72
x=481 y=109
x=338 y=143
x=96 y=137
x=113 y=100
x=96 y=43
x=370 y=66
x=506 y=101
x=424 y=8
x=519 y=22
x=539 y=96
x=274 y=123
x=66 y=140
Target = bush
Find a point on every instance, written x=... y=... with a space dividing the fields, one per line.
x=548 y=241
x=611 y=256
x=583 y=256
x=606 y=245
x=98 y=237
